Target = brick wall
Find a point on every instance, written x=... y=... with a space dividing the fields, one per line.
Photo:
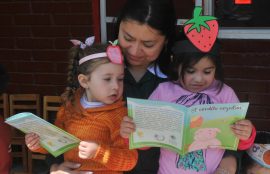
x=247 y=70
x=34 y=41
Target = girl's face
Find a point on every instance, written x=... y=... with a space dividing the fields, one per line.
x=105 y=83
x=200 y=76
x=140 y=43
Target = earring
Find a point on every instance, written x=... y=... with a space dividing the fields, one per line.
x=171 y=57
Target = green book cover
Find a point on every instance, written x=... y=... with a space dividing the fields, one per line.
x=182 y=129
x=55 y=140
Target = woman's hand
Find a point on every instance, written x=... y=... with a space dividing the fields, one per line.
x=242 y=129
x=32 y=141
x=127 y=127
x=67 y=168
x=87 y=149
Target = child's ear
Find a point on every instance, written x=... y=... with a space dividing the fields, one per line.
x=83 y=79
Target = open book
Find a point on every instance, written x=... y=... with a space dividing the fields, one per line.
x=182 y=129
x=55 y=140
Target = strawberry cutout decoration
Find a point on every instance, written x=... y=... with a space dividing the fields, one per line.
x=114 y=53
x=202 y=31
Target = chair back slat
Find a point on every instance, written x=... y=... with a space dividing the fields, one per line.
x=24 y=103
x=50 y=104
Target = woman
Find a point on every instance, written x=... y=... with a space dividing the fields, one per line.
x=146 y=31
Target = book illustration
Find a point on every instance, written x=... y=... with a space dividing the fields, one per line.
x=184 y=129
x=215 y=129
x=196 y=121
x=55 y=140
x=205 y=138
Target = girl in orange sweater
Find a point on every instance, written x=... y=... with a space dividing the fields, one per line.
x=93 y=110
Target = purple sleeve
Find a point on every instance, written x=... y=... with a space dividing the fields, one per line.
x=228 y=95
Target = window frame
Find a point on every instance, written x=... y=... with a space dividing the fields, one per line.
x=208 y=9
x=236 y=32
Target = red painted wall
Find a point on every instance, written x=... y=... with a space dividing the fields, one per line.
x=34 y=42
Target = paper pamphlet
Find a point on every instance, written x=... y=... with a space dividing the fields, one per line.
x=55 y=140
x=182 y=129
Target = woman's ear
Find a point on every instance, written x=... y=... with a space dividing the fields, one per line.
x=83 y=80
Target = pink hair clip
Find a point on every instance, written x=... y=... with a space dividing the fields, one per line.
x=113 y=51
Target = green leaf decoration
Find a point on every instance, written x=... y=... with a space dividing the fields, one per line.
x=198 y=20
x=114 y=43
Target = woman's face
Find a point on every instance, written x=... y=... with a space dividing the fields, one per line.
x=140 y=43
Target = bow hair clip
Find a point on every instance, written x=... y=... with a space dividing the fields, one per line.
x=114 y=53
x=88 y=42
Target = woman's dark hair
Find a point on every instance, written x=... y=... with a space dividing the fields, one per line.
x=262 y=137
x=184 y=53
x=74 y=69
x=158 y=14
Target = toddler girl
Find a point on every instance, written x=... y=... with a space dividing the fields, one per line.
x=197 y=78
x=93 y=110
x=256 y=160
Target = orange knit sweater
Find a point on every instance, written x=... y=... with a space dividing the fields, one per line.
x=102 y=126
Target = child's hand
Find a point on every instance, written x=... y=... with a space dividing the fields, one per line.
x=242 y=129
x=32 y=141
x=87 y=149
x=127 y=127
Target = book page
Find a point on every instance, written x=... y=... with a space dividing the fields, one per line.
x=156 y=124
x=210 y=125
x=52 y=138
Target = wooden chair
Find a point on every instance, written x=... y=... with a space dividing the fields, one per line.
x=51 y=105
x=4 y=105
x=22 y=103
